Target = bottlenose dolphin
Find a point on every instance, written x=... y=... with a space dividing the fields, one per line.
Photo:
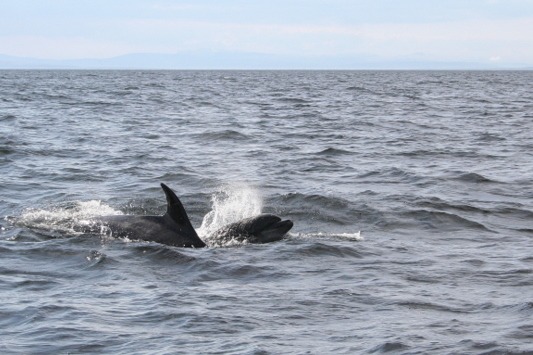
x=264 y=228
x=174 y=227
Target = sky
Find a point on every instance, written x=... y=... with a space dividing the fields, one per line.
x=329 y=32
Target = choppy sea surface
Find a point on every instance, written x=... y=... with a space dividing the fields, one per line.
x=411 y=195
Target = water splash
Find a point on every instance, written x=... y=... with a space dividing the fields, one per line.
x=349 y=236
x=230 y=204
x=346 y=236
x=65 y=218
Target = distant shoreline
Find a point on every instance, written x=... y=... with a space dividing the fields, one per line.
x=243 y=61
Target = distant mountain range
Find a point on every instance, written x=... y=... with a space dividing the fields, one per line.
x=227 y=60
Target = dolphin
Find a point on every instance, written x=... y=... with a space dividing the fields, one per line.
x=174 y=227
x=264 y=228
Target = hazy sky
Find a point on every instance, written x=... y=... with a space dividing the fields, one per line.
x=485 y=31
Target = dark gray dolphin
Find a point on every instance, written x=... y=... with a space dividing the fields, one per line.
x=264 y=228
x=174 y=227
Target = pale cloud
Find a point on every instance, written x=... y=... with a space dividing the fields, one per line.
x=514 y=29
x=49 y=47
x=475 y=30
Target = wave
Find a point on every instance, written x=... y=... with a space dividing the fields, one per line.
x=294 y=100
x=96 y=258
x=525 y=230
x=161 y=252
x=490 y=137
x=443 y=220
x=474 y=178
x=438 y=204
x=432 y=306
x=334 y=212
x=391 y=174
x=361 y=89
x=7 y=117
x=320 y=249
x=356 y=236
x=315 y=199
x=334 y=152
x=228 y=134
x=521 y=213
x=6 y=150
x=444 y=153
x=390 y=346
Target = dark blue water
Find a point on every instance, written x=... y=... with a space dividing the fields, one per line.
x=434 y=169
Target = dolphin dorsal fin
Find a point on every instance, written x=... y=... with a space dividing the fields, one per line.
x=175 y=209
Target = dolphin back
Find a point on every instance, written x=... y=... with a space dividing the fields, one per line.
x=173 y=228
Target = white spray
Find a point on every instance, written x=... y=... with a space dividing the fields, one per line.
x=230 y=204
x=65 y=218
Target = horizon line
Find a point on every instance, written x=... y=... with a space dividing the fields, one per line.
x=248 y=61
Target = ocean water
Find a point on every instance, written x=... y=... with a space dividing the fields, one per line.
x=411 y=195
